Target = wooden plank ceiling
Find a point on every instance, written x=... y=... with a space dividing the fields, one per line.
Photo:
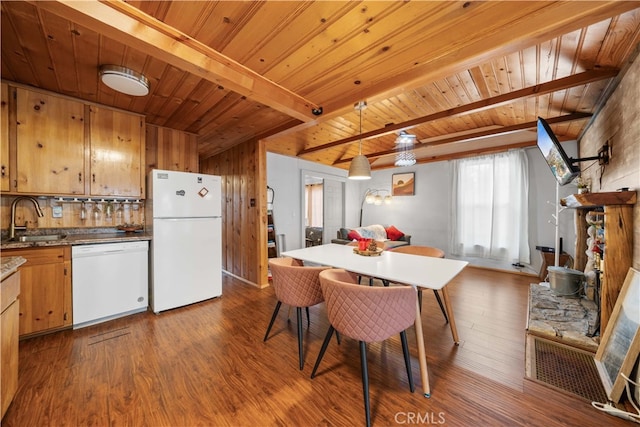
x=465 y=77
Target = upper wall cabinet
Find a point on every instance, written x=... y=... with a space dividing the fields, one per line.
x=50 y=144
x=59 y=146
x=117 y=153
x=4 y=139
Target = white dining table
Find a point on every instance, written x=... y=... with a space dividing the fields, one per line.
x=409 y=269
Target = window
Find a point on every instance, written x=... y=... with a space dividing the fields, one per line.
x=490 y=207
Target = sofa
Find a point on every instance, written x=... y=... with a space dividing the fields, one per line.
x=390 y=235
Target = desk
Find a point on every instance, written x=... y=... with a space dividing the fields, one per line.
x=414 y=270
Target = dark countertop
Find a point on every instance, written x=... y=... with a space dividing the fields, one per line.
x=79 y=239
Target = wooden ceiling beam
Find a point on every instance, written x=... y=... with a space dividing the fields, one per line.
x=480 y=134
x=128 y=25
x=474 y=107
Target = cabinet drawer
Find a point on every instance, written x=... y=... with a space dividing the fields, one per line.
x=10 y=290
x=42 y=255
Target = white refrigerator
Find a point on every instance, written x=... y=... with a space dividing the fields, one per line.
x=183 y=211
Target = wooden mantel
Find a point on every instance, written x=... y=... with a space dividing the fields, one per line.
x=589 y=200
x=618 y=228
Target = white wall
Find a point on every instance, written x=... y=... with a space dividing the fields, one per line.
x=284 y=175
x=425 y=215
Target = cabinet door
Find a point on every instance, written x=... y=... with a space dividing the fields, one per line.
x=50 y=144
x=116 y=153
x=4 y=139
x=41 y=298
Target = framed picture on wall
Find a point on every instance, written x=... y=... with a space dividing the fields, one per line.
x=620 y=344
x=403 y=184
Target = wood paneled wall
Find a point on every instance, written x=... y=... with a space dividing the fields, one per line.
x=171 y=149
x=244 y=210
x=618 y=123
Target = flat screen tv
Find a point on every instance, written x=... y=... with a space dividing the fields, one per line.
x=559 y=163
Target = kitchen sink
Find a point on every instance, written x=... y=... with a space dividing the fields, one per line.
x=40 y=238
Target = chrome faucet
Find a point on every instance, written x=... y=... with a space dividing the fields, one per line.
x=13 y=227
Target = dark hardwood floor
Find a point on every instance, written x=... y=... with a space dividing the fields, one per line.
x=206 y=364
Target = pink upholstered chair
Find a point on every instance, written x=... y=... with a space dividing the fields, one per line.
x=424 y=251
x=367 y=314
x=297 y=286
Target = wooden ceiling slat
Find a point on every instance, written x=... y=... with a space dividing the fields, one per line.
x=85 y=45
x=552 y=19
x=27 y=25
x=182 y=52
x=15 y=65
x=624 y=27
x=61 y=47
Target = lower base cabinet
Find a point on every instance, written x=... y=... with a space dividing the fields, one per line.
x=45 y=289
x=9 y=322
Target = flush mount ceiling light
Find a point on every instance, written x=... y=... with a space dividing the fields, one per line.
x=360 y=167
x=404 y=143
x=124 y=80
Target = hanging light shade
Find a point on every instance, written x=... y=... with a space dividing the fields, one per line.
x=360 y=167
x=124 y=80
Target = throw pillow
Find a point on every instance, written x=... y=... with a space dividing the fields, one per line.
x=353 y=235
x=393 y=233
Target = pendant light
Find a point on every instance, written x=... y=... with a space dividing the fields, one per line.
x=360 y=168
x=405 y=155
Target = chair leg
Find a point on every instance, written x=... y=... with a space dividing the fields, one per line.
x=444 y=312
x=300 y=355
x=273 y=318
x=407 y=359
x=365 y=381
x=385 y=282
x=325 y=343
x=420 y=299
x=308 y=319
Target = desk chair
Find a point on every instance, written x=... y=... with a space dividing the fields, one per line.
x=367 y=314
x=298 y=286
x=424 y=251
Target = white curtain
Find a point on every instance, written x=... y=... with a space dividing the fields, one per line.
x=314 y=205
x=490 y=207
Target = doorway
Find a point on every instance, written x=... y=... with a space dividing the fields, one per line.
x=322 y=206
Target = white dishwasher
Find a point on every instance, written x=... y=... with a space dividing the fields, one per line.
x=110 y=280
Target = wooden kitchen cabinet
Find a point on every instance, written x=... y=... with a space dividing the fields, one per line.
x=45 y=289
x=4 y=139
x=50 y=148
x=9 y=340
x=59 y=146
x=117 y=153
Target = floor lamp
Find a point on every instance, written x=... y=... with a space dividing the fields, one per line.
x=373 y=196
